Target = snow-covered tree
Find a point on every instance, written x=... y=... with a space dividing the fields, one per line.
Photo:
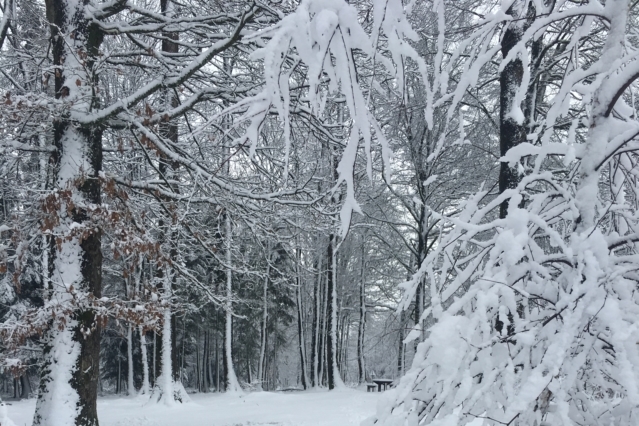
x=534 y=307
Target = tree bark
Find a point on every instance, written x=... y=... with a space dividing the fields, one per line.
x=300 y=324
x=260 y=371
x=231 y=378
x=165 y=380
x=511 y=131
x=331 y=317
x=168 y=170
x=77 y=259
x=129 y=353
x=361 y=363
x=145 y=363
x=315 y=354
x=25 y=386
x=401 y=350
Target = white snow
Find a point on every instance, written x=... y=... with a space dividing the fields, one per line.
x=4 y=420
x=346 y=407
x=58 y=406
x=165 y=381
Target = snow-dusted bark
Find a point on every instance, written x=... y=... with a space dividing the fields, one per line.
x=165 y=380
x=361 y=361
x=146 y=386
x=57 y=398
x=68 y=383
x=316 y=331
x=334 y=376
x=300 y=323
x=232 y=384
x=260 y=368
x=512 y=130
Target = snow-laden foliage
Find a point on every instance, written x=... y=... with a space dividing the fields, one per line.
x=326 y=39
x=535 y=314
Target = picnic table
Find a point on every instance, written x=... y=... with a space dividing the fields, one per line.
x=382 y=382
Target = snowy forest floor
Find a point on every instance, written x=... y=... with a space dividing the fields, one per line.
x=310 y=408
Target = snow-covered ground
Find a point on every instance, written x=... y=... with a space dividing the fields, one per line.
x=312 y=408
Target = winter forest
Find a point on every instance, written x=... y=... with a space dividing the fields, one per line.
x=253 y=212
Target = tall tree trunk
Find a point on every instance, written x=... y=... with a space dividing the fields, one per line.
x=513 y=116
x=25 y=386
x=146 y=388
x=401 y=346
x=217 y=360
x=209 y=362
x=198 y=369
x=332 y=371
x=343 y=366
x=323 y=330
x=165 y=380
x=421 y=255
x=168 y=169
x=249 y=372
x=260 y=369
x=155 y=356
x=361 y=363
x=129 y=353
x=71 y=351
x=512 y=130
x=183 y=347
x=232 y=385
x=341 y=320
x=300 y=323
x=315 y=338
x=205 y=358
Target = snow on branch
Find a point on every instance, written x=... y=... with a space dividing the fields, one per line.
x=326 y=38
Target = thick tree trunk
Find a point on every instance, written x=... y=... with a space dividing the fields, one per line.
x=25 y=386
x=168 y=373
x=165 y=379
x=73 y=349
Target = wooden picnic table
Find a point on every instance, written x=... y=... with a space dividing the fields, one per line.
x=382 y=382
